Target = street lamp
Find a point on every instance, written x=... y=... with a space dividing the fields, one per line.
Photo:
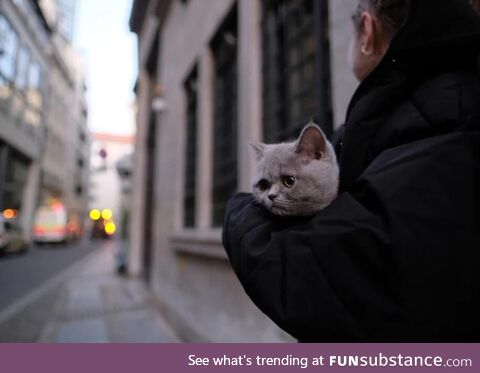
x=158 y=104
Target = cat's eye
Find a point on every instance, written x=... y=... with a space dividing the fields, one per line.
x=288 y=181
x=263 y=185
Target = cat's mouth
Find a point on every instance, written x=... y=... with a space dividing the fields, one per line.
x=279 y=208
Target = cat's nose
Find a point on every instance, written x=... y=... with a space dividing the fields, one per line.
x=271 y=197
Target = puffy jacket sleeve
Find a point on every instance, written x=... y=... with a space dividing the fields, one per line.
x=379 y=263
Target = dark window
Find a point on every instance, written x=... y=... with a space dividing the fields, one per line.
x=19 y=102
x=296 y=70
x=8 y=48
x=224 y=48
x=8 y=51
x=153 y=57
x=191 y=87
x=79 y=190
x=21 y=81
x=14 y=169
x=34 y=95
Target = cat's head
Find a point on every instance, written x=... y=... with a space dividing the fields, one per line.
x=297 y=178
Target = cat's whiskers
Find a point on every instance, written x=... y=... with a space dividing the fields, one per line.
x=288 y=203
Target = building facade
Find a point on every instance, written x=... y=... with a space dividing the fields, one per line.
x=77 y=140
x=43 y=113
x=212 y=79
x=24 y=41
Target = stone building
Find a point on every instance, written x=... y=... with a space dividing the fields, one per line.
x=213 y=76
x=43 y=113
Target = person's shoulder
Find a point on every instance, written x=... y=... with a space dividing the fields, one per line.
x=445 y=99
x=423 y=157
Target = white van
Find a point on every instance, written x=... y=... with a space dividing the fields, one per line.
x=50 y=224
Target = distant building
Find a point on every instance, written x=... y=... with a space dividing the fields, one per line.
x=107 y=189
x=77 y=141
x=44 y=139
x=212 y=78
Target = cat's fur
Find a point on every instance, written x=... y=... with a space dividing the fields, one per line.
x=310 y=161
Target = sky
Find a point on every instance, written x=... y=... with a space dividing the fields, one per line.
x=103 y=38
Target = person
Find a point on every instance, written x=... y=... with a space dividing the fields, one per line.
x=395 y=257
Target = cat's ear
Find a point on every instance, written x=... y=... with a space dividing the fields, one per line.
x=258 y=149
x=312 y=142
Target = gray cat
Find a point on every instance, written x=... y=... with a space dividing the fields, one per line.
x=298 y=178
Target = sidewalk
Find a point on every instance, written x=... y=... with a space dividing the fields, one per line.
x=93 y=304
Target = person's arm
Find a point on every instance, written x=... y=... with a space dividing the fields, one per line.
x=309 y=278
x=371 y=266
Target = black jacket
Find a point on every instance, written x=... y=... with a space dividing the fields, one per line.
x=396 y=257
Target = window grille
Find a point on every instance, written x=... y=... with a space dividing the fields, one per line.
x=296 y=68
x=224 y=48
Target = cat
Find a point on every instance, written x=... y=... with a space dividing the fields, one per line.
x=298 y=178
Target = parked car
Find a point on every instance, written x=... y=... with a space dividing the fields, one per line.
x=103 y=225
x=103 y=229
x=11 y=237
